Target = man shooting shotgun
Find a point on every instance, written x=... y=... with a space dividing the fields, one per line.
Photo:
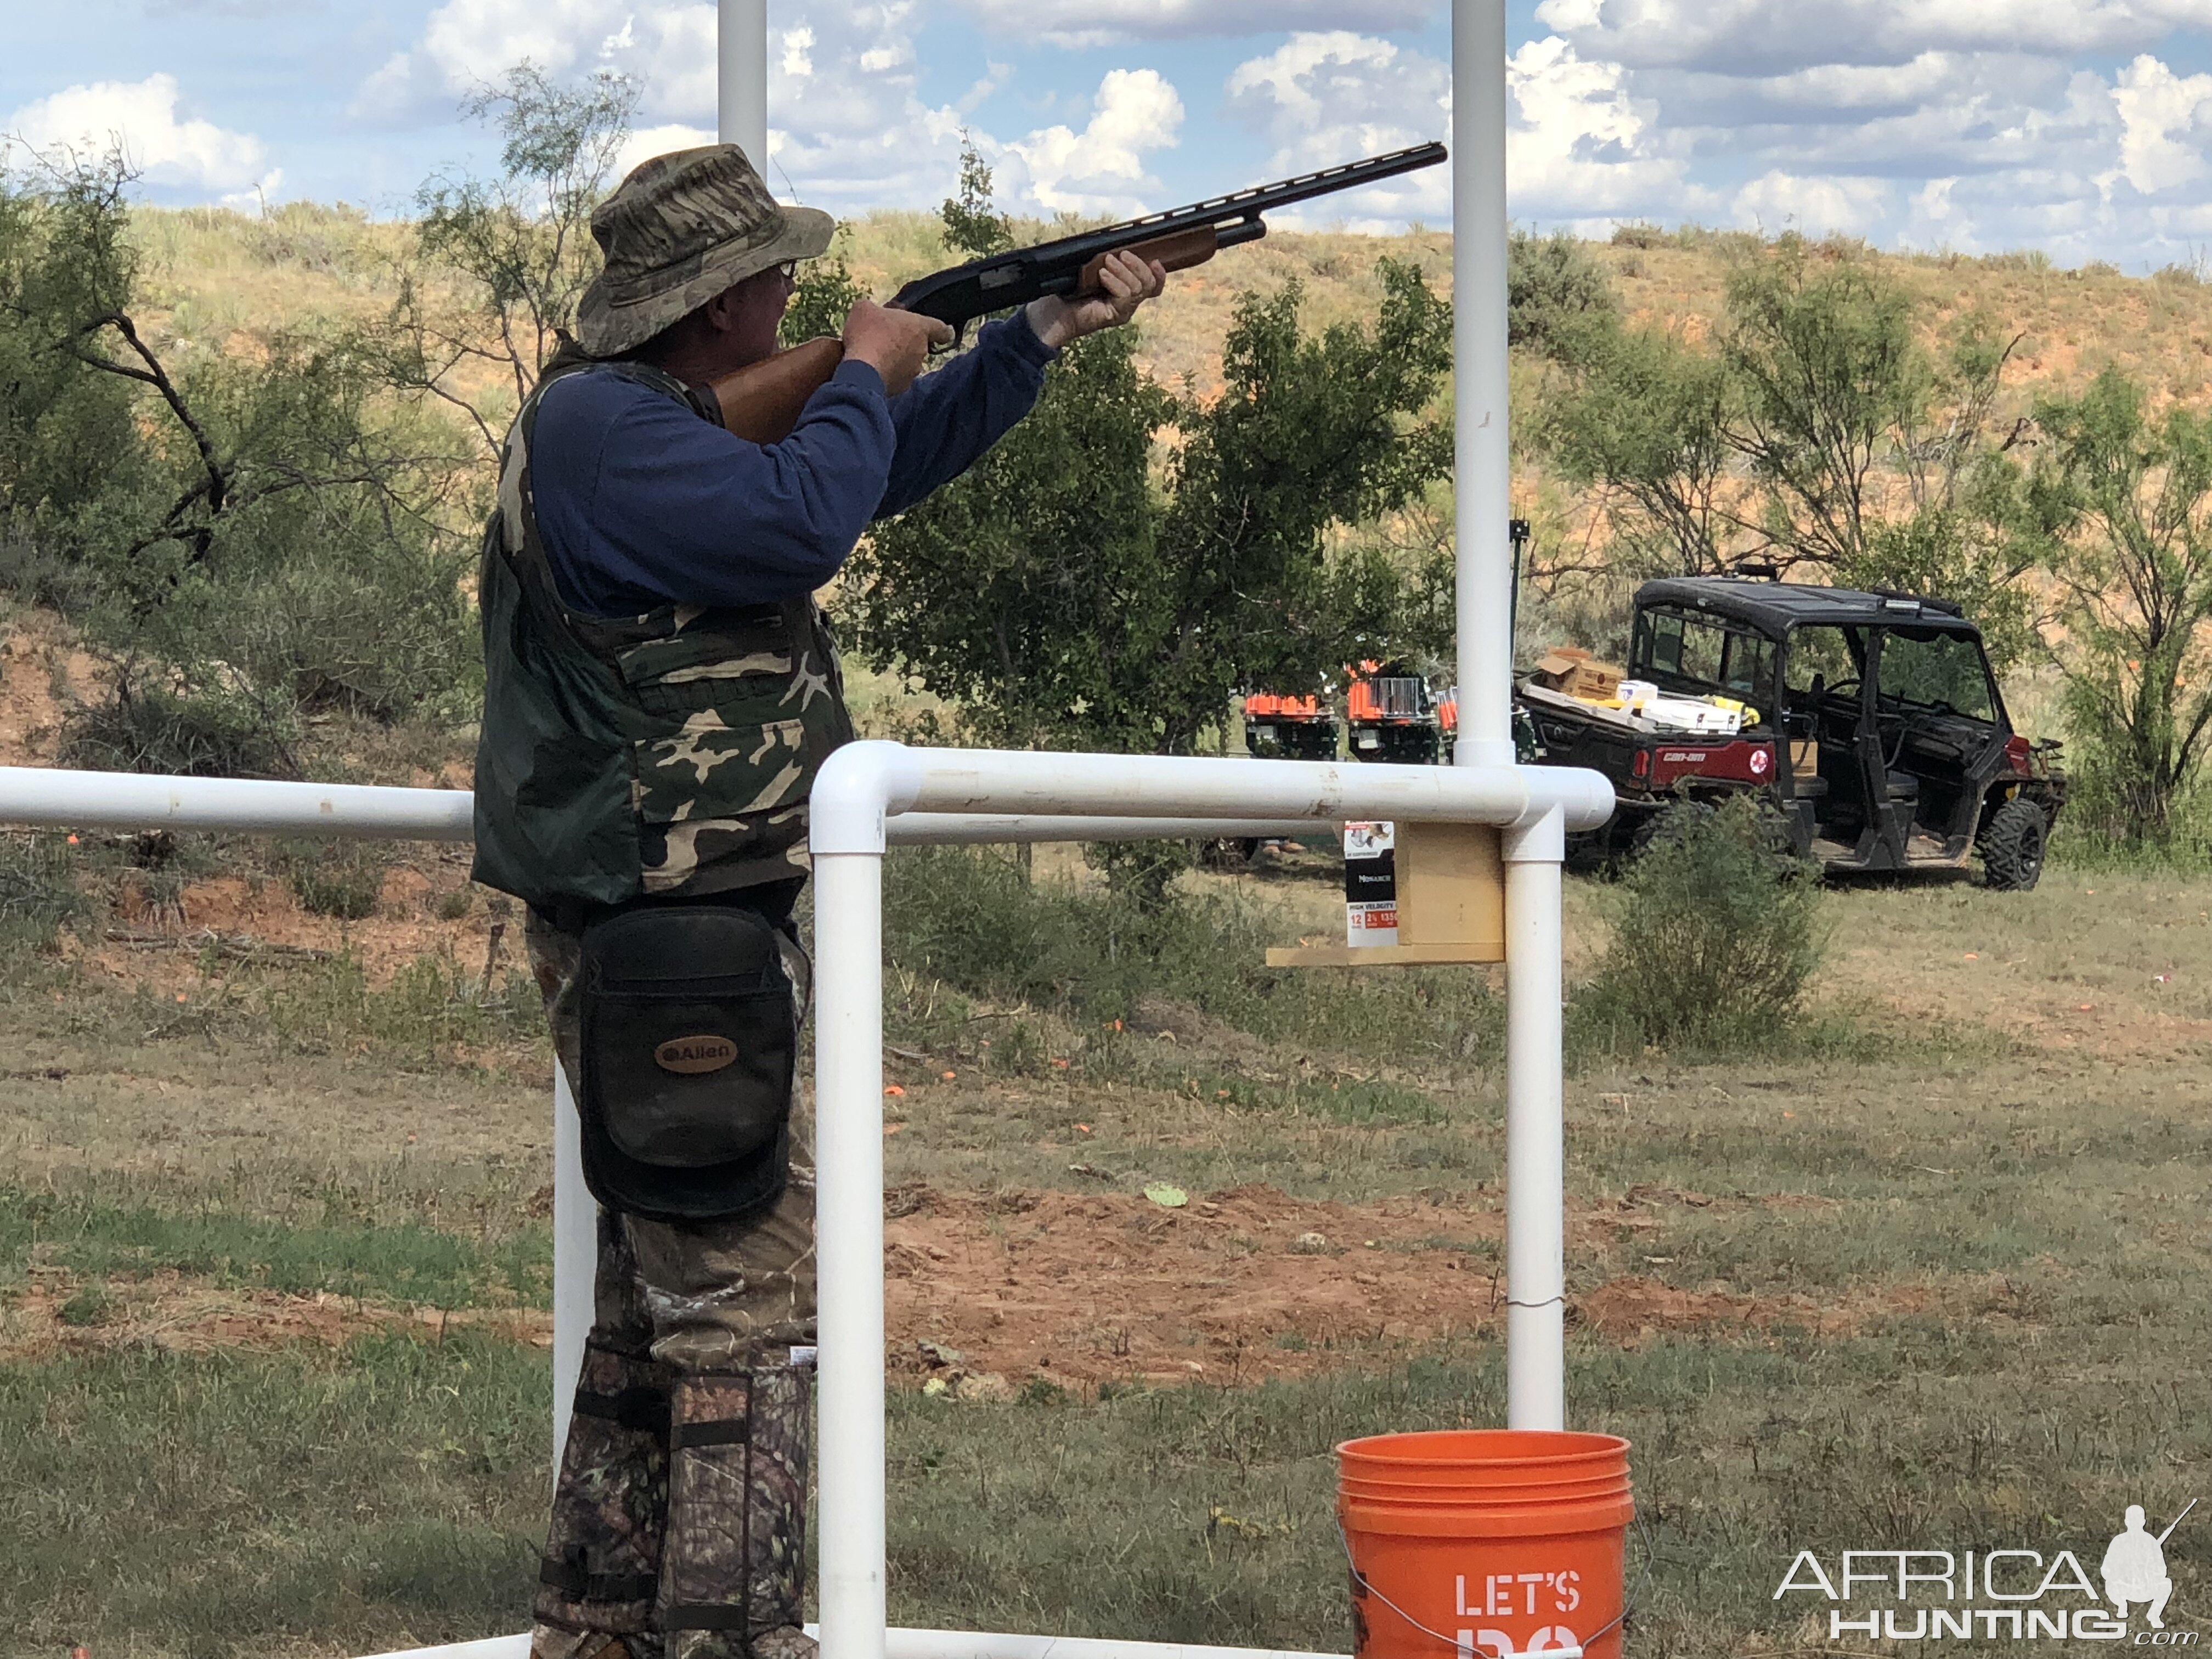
x=763 y=401
x=659 y=691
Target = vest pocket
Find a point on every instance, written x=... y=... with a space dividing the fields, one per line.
x=711 y=769
x=752 y=659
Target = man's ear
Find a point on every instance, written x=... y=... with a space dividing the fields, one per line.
x=721 y=311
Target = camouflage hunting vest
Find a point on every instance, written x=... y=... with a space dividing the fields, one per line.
x=667 y=756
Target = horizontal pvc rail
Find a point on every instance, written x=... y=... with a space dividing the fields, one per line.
x=860 y=796
x=54 y=798
x=939 y=1645
x=133 y=801
x=865 y=785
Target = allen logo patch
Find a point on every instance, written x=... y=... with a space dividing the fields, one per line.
x=694 y=1054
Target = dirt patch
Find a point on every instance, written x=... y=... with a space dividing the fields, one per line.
x=178 y=1315
x=159 y=942
x=1240 y=1286
x=987 y=1293
x=35 y=659
x=1634 y=1309
x=1244 y=1285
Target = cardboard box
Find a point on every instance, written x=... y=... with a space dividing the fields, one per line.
x=1573 y=670
x=1804 y=758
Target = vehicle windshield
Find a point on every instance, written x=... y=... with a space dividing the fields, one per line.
x=1681 y=653
x=1940 y=671
x=1825 y=656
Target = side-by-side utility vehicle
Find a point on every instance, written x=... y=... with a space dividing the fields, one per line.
x=1870 y=720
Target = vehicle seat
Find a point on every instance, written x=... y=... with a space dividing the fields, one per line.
x=1903 y=786
x=1808 y=786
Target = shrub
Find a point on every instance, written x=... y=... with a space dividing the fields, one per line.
x=215 y=734
x=1716 y=932
x=969 y=920
x=37 y=895
x=1559 y=299
x=342 y=881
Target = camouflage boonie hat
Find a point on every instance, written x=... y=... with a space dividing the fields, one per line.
x=681 y=228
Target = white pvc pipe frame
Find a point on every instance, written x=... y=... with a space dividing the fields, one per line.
x=868 y=796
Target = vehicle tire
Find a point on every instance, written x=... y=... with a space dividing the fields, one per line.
x=1669 y=824
x=2012 y=848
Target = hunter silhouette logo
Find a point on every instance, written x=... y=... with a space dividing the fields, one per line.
x=692 y=1055
x=2134 y=1568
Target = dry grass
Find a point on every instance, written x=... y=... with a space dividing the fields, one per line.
x=1824 y=1294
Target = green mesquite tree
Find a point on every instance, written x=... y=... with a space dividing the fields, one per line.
x=2130 y=494
x=1645 y=422
x=1127 y=558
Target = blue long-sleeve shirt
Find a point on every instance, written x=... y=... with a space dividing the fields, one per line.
x=640 y=503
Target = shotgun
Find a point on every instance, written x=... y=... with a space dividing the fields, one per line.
x=762 y=401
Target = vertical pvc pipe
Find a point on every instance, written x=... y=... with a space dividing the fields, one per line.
x=1483 y=465
x=849 y=1240
x=741 y=87
x=1536 y=1130
x=575 y=1256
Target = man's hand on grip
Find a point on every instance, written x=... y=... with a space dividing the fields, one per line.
x=895 y=343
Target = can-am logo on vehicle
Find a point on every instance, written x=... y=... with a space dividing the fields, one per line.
x=2000 y=1595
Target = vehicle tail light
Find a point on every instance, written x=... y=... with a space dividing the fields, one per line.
x=1640 y=767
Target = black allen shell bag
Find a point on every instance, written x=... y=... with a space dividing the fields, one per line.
x=690 y=1042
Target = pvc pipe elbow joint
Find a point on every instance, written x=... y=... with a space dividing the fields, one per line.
x=857 y=788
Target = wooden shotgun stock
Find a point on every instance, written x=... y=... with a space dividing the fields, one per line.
x=763 y=402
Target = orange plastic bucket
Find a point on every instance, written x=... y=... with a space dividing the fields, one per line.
x=1482 y=1542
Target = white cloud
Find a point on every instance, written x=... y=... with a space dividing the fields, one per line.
x=1777 y=201
x=1098 y=22
x=2166 y=123
x=645 y=143
x=1957 y=125
x=255 y=200
x=1328 y=98
x=849 y=129
x=1580 y=147
x=177 y=154
x=1101 y=169
x=465 y=45
x=1771 y=37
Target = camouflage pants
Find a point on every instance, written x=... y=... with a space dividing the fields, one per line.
x=679 y=1514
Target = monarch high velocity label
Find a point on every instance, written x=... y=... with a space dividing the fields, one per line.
x=1370 y=883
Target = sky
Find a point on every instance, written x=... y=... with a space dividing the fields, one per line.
x=2080 y=127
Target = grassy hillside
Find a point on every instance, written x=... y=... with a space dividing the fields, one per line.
x=217 y=274
x=221 y=281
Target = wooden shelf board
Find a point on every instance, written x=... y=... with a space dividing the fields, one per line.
x=1385 y=956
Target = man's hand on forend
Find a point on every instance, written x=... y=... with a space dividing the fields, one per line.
x=1128 y=282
